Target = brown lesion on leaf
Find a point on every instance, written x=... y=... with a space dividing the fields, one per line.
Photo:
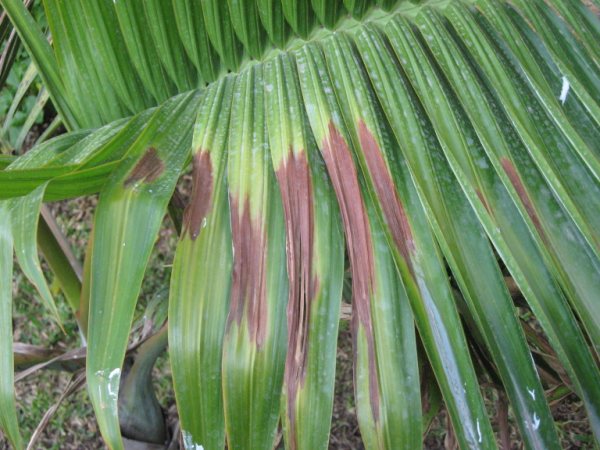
x=344 y=178
x=147 y=169
x=201 y=198
x=515 y=180
x=295 y=185
x=393 y=210
x=592 y=7
x=248 y=284
x=483 y=201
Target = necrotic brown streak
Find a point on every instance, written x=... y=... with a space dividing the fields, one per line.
x=342 y=172
x=510 y=170
x=394 y=213
x=483 y=200
x=294 y=181
x=248 y=284
x=202 y=189
x=147 y=169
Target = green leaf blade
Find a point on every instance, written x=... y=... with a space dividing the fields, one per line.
x=25 y=216
x=129 y=214
x=8 y=409
x=201 y=279
x=254 y=343
x=505 y=227
x=315 y=262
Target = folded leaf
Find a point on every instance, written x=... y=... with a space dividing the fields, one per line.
x=254 y=344
x=315 y=262
x=201 y=279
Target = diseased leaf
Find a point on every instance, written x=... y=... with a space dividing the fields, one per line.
x=462 y=240
x=535 y=183
x=427 y=295
x=387 y=421
x=254 y=344
x=456 y=139
x=315 y=262
x=486 y=193
x=201 y=278
x=127 y=220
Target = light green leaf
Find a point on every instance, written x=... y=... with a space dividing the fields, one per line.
x=254 y=343
x=8 y=408
x=201 y=278
x=25 y=214
x=128 y=217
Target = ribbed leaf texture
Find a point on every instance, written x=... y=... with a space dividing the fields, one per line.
x=428 y=150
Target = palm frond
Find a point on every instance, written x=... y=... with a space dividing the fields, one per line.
x=447 y=141
x=201 y=279
x=315 y=262
x=129 y=215
x=254 y=342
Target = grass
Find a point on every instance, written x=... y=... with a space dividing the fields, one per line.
x=73 y=425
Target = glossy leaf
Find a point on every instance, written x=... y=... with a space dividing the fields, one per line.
x=201 y=278
x=577 y=277
x=254 y=342
x=315 y=262
x=127 y=220
x=453 y=142
x=463 y=242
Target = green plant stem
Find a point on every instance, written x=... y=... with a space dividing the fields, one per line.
x=140 y=414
